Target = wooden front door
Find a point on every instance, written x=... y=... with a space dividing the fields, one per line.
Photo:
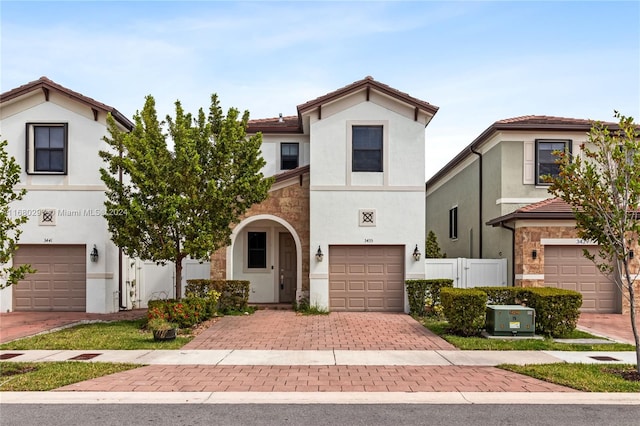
x=287 y=268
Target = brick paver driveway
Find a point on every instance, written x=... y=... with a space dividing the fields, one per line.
x=287 y=330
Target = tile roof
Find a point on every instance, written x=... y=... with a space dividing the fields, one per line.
x=45 y=84
x=551 y=208
x=366 y=83
x=293 y=124
x=299 y=171
x=286 y=124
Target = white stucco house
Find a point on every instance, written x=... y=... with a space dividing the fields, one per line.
x=55 y=135
x=342 y=224
x=347 y=211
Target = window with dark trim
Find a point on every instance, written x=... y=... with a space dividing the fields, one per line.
x=366 y=142
x=453 y=223
x=257 y=250
x=47 y=148
x=545 y=158
x=289 y=155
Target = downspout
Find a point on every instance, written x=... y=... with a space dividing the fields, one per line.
x=513 y=253
x=479 y=200
x=120 y=290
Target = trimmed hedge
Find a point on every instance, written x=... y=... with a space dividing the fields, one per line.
x=557 y=310
x=234 y=294
x=419 y=290
x=464 y=309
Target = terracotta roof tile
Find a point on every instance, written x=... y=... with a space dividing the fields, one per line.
x=367 y=82
x=286 y=124
x=43 y=83
x=550 y=208
x=292 y=173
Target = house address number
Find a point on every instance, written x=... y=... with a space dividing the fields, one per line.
x=368 y=240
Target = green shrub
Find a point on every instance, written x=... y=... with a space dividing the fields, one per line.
x=557 y=310
x=233 y=295
x=185 y=313
x=464 y=309
x=424 y=294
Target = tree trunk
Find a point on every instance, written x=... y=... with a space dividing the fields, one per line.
x=179 y=277
x=632 y=306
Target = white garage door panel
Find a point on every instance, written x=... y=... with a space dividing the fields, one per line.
x=59 y=283
x=366 y=278
x=566 y=267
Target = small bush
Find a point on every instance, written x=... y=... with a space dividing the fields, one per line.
x=464 y=310
x=557 y=310
x=425 y=294
x=503 y=295
x=233 y=295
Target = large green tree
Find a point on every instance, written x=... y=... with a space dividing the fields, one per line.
x=166 y=204
x=602 y=185
x=10 y=223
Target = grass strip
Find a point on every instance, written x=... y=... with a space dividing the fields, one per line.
x=46 y=376
x=439 y=327
x=583 y=377
x=117 y=335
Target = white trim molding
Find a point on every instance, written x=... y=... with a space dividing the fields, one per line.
x=529 y=276
x=519 y=200
x=566 y=242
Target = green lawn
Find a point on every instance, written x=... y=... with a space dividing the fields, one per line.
x=584 y=377
x=45 y=376
x=480 y=343
x=121 y=335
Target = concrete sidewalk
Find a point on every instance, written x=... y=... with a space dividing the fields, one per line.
x=320 y=357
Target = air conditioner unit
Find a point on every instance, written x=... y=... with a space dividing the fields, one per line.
x=510 y=320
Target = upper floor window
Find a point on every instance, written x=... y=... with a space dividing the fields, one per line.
x=289 y=155
x=257 y=250
x=47 y=148
x=367 y=143
x=545 y=158
x=453 y=223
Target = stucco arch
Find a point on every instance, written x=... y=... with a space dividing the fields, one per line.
x=296 y=238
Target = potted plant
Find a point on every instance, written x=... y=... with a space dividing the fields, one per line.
x=162 y=329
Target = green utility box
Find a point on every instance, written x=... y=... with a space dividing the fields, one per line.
x=510 y=320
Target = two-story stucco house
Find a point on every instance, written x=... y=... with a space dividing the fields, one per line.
x=346 y=212
x=490 y=202
x=343 y=224
x=55 y=135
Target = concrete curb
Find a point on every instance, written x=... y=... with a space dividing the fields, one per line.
x=488 y=398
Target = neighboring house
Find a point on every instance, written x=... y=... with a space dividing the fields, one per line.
x=55 y=135
x=346 y=212
x=490 y=202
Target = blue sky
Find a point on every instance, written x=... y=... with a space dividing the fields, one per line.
x=478 y=61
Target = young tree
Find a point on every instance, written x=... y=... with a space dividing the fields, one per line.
x=165 y=205
x=10 y=226
x=603 y=188
x=432 y=249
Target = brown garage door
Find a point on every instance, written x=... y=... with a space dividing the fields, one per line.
x=59 y=283
x=366 y=278
x=566 y=267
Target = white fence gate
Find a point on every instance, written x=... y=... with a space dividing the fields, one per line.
x=147 y=281
x=468 y=273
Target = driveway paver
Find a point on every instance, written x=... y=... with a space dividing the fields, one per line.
x=288 y=330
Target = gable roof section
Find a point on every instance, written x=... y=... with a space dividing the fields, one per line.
x=293 y=124
x=367 y=84
x=527 y=122
x=551 y=208
x=46 y=85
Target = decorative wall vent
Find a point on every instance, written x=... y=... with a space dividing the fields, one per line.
x=367 y=217
x=47 y=217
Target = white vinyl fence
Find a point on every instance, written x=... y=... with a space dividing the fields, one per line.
x=147 y=281
x=467 y=273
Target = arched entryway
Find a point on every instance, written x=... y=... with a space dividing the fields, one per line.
x=266 y=250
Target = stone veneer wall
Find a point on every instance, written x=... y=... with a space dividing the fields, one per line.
x=529 y=238
x=290 y=203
